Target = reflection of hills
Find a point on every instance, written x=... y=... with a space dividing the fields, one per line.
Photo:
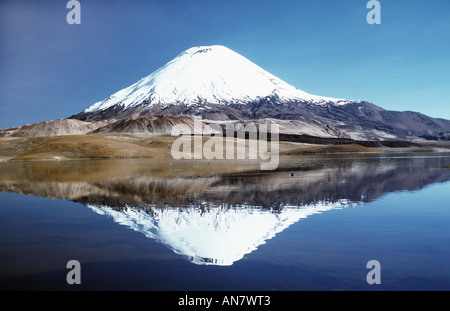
x=215 y=218
x=355 y=181
x=140 y=185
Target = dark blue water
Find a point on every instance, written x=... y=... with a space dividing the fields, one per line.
x=394 y=211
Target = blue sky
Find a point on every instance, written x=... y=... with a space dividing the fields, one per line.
x=50 y=69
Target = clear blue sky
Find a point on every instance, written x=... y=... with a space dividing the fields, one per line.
x=51 y=70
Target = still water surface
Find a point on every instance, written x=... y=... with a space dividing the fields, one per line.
x=160 y=225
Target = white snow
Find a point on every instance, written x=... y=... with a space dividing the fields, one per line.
x=217 y=235
x=214 y=74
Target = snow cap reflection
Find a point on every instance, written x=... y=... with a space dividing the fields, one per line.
x=213 y=235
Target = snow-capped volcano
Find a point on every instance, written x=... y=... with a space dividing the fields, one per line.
x=218 y=84
x=205 y=75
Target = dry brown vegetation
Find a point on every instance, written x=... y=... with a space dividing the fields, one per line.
x=106 y=146
x=79 y=147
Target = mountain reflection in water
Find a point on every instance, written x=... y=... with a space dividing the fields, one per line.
x=213 y=213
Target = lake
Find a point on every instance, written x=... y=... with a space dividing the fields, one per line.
x=313 y=224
